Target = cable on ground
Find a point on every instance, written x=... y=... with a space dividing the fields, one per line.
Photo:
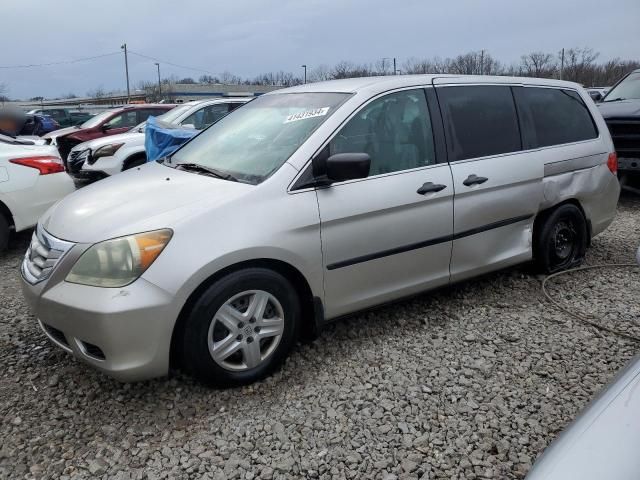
x=579 y=316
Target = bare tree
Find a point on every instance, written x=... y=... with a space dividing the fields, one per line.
x=3 y=90
x=99 y=92
x=320 y=73
x=538 y=64
x=346 y=69
x=578 y=65
x=208 y=79
x=227 y=78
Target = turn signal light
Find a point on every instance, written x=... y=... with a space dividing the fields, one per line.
x=44 y=164
x=612 y=162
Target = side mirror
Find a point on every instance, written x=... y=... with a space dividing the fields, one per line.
x=189 y=125
x=341 y=167
x=104 y=127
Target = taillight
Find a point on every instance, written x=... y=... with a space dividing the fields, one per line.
x=45 y=164
x=612 y=162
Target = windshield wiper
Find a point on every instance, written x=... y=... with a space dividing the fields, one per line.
x=196 y=167
x=614 y=100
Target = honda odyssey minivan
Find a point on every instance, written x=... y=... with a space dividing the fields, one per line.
x=313 y=202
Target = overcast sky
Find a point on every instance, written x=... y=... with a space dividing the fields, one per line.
x=248 y=37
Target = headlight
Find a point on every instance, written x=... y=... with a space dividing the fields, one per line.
x=107 y=150
x=119 y=262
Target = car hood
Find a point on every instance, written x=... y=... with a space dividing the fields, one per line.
x=61 y=132
x=622 y=108
x=604 y=441
x=142 y=199
x=110 y=139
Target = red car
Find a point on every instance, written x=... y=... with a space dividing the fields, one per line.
x=109 y=122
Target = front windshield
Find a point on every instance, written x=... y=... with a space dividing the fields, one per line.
x=97 y=119
x=252 y=142
x=628 y=88
x=169 y=117
x=172 y=115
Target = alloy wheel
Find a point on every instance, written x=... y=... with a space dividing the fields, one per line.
x=246 y=330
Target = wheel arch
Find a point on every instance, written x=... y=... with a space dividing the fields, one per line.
x=4 y=211
x=312 y=311
x=133 y=157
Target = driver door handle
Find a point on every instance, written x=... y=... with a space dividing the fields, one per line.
x=430 y=187
x=473 y=179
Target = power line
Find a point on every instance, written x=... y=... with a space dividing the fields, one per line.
x=64 y=62
x=155 y=59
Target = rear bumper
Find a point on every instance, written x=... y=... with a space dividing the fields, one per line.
x=29 y=204
x=123 y=332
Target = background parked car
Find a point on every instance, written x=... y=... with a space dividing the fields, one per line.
x=38 y=125
x=32 y=178
x=64 y=116
x=621 y=110
x=604 y=441
x=110 y=122
x=107 y=156
x=597 y=93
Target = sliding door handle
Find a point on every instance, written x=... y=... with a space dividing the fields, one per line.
x=430 y=188
x=473 y=179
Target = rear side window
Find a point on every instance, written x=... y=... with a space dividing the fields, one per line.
x=554 y=116
x=479 y=121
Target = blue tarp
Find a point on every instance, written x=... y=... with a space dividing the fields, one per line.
x=162 y=139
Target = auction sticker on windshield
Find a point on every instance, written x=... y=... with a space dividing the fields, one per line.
x=316 y=112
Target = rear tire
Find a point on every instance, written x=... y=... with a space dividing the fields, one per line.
x=241 y=328
x=561 y=239
x=4 y=233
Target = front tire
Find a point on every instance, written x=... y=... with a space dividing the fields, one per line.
x=561 y=239
x=241 y=328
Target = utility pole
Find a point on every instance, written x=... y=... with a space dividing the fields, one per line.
x=562 y=64
x=482 y=62
x=126 y=70
x=395 y=72
x=305 y=73
x=159 y=84
x=384 y=65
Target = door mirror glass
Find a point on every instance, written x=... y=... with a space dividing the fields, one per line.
x=341 y=167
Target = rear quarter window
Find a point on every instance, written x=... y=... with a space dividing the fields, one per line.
x=480 y=120
x=554 y=116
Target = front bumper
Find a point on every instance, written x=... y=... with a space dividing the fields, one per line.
x=123 y=332
x=88 y=176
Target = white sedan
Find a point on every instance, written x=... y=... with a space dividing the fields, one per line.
x=107 y=156
x=32 y=178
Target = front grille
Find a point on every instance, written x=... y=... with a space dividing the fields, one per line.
x=43 y=254
x=625 y=133
x=76 y=159
x=64 y=147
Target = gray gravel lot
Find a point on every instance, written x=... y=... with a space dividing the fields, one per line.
x=473 y=381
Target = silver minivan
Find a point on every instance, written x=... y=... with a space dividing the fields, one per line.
x=313 y=202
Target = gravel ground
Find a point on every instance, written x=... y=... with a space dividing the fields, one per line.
x=473 y=381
